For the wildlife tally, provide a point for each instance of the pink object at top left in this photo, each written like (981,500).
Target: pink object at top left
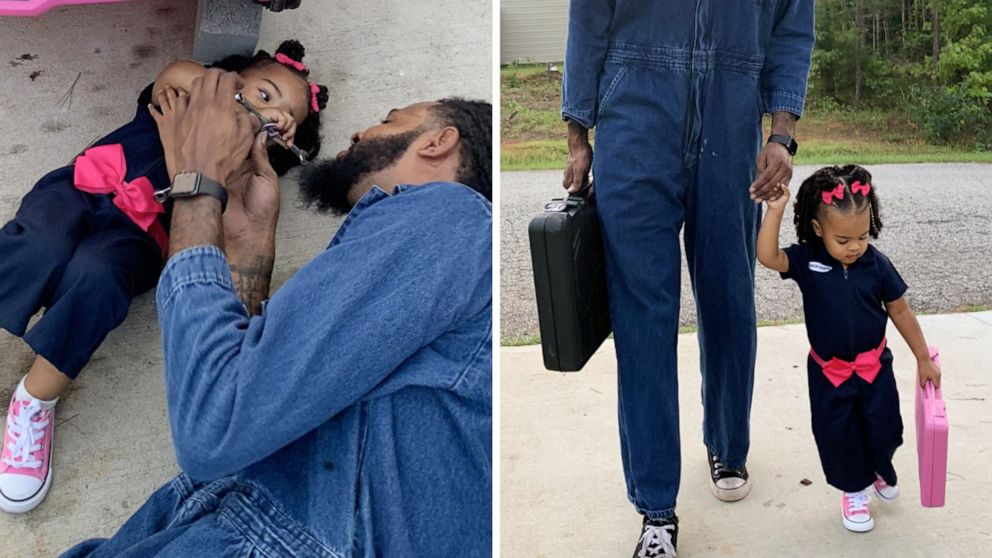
(38,7)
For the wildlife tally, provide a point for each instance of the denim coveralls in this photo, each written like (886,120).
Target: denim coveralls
(354,416)
(676,90)
(79,256)
(856,424)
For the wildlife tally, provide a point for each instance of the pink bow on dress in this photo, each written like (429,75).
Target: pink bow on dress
(867,365)
(101,170)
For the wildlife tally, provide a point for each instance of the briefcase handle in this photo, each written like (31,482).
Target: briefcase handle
(584,193)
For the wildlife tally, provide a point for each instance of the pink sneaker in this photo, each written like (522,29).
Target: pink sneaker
(25,462)
(885,492)
(854,511)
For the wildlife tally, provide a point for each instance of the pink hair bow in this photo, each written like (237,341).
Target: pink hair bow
(858,187)
(314,90)
(829,195)
(287,61)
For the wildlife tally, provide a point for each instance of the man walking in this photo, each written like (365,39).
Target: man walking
(676,91)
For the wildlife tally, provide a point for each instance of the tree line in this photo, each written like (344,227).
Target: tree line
(930,58)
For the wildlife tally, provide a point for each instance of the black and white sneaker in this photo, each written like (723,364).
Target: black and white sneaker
(659,538)
(728,485)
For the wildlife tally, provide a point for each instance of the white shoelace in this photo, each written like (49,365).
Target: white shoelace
(857,501)
(27,436)
(657,536)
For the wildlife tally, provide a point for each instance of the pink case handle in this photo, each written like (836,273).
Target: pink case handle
(933,392)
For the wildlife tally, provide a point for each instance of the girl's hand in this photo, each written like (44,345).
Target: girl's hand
(172,104)
(928,370)
(779,200)
(284,122)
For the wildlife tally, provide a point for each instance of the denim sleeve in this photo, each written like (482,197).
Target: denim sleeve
(241,388)
(585,51)
(788,58)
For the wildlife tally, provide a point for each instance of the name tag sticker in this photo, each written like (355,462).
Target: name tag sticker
(819,267)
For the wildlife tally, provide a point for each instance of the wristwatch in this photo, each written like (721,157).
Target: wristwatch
(790,143)
(190,184)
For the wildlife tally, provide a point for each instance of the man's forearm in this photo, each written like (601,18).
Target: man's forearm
(784,123)
(196,221)
(251,268)
(577,134)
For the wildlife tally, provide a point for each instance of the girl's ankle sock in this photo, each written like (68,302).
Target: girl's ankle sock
(23,393)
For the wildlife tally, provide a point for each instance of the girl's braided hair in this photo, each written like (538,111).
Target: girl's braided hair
(809,200)
(307,132)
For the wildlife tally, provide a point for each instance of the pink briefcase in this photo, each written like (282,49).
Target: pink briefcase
(931,441)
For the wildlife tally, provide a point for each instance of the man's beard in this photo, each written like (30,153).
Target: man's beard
(326,185)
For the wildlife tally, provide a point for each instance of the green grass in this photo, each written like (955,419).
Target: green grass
(533,135)
(522,341)
(551,155)
(525,340)
(536,339)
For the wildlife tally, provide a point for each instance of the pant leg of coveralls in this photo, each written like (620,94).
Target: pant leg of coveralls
(36,245)
(109,268)
(882,427)
(837,418)
(640,187)
(720,232)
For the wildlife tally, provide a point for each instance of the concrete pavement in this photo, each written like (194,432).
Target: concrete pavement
(112,444)
(937,231)
(563,491)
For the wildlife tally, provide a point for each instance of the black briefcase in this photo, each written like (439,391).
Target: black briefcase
(566,247)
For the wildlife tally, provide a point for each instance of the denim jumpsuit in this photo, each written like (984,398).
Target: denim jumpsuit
(676,90)
(856,424)
(77,255)
(353,417)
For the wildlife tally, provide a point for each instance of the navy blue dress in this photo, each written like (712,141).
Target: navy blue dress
(857,424)
(78,256)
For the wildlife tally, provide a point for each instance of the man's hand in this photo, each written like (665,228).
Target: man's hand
(253,205)
(774,169)
(774,163)
(250,228)
(579,158)
(215,133)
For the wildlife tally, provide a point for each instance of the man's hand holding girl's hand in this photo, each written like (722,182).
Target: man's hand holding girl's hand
(284,122)
(779,203)
(928,370)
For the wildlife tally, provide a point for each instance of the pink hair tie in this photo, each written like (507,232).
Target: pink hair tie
(287,61)
(314,90)
(862,188)
(829,195)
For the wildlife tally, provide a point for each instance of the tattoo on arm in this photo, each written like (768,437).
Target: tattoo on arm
(252,280)
(196,222)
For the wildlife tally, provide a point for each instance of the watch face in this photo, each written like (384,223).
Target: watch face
(184,184)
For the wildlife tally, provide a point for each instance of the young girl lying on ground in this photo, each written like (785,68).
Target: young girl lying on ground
(89,237)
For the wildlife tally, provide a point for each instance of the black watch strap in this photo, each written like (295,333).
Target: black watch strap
(790,143)
(211,188)
(191,184)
